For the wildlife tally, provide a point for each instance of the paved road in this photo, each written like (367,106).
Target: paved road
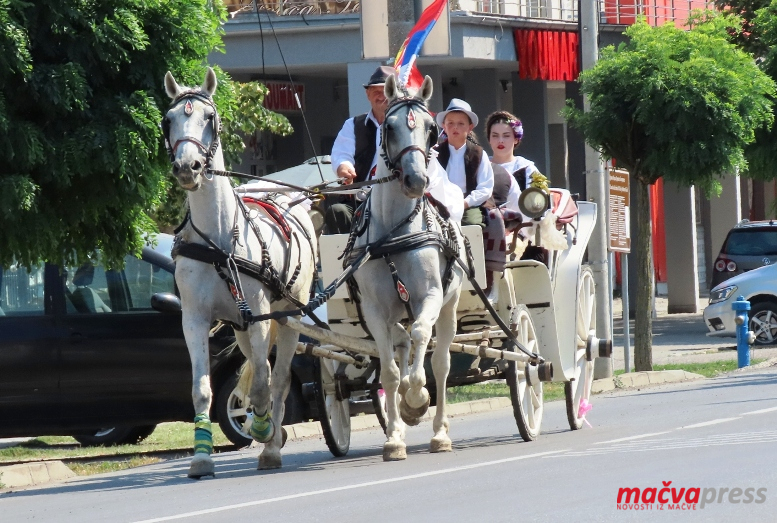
(710,434)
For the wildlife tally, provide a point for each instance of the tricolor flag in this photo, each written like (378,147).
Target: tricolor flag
(407,73)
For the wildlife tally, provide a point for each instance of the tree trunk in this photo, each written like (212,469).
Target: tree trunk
(643,321)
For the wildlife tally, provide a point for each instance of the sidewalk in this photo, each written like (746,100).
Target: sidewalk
(679,338)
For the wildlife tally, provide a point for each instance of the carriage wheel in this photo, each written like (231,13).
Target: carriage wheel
(580,388)
(334,414)
(525,396)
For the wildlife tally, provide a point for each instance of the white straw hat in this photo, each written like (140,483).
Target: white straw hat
(457,105)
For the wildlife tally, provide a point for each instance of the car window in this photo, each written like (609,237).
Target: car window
(21,291)
(145,279)
(86,289)
(752,242)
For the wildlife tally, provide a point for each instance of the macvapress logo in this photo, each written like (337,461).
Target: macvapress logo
(696,498)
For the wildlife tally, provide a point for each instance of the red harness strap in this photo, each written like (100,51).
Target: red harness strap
(274,214)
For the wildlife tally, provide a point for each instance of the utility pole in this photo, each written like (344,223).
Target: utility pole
(595,185)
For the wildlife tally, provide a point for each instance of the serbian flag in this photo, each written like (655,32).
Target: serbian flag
(407,73)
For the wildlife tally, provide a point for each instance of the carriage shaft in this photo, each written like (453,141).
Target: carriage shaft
(328,351)
(487,352)
(366,347)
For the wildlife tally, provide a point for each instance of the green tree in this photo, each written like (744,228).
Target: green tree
(676,104)
(81,99)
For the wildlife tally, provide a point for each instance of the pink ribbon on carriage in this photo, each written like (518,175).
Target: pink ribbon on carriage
(583,410)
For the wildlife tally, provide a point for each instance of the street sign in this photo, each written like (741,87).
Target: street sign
(619,202)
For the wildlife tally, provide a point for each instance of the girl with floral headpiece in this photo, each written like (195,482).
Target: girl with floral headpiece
(505,132)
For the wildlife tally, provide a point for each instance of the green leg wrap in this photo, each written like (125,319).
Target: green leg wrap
(262,428)
(203,435)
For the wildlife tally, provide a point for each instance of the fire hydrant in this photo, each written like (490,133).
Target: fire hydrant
(745,338)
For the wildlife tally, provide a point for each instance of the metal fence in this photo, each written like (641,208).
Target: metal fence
(293,7)
(623,12)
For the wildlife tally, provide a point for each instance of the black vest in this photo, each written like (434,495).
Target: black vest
(520,177)
(364,131)
(472,156)
(501,184)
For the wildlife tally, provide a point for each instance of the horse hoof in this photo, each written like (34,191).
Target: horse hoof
(284,436)
(269,461)
(440,444)
(394,451)
(418,399)
(201,466)
(410,415)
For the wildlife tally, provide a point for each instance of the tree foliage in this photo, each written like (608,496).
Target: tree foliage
(81,99)
(676,104)
(672,104)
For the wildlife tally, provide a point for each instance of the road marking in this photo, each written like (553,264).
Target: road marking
(660,445)
(708,423)
(762,411)
(348,487)
(632,437)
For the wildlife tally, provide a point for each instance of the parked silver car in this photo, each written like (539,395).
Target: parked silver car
(759,287)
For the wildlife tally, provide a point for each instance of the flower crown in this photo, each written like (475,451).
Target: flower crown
(517,128)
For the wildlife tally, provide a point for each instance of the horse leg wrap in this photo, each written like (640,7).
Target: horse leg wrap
(262,428)
(203,435)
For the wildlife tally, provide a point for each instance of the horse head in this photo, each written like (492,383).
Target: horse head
(409,133)
(191,128)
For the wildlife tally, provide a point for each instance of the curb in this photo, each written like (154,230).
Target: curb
(31,474)
(642,379)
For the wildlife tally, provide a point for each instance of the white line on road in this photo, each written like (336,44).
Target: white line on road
(348,487)
(711,422)
(632,437)
(762,411)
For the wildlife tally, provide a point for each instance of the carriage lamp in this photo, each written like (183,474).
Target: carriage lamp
(533,202)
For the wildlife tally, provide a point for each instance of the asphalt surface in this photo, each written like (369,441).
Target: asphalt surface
(708,434)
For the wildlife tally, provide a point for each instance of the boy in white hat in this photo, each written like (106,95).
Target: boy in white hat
(465,162)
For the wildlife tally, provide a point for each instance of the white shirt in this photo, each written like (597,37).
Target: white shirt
(519,162)
(344,147)
(443,190)
(485,176)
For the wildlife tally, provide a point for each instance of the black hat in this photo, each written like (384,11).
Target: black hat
(380,76)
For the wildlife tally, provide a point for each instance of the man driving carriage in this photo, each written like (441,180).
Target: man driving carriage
(356,153)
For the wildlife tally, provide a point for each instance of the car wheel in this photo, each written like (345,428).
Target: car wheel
(232,412)
(763,322)
(234,418)
(115,436)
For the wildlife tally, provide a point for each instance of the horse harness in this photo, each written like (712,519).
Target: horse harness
(228,265)
(444,236)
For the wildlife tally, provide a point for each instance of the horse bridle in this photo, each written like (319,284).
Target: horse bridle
(392,162)
(215,122)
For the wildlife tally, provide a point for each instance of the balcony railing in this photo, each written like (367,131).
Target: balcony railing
(293,7)
(657,12)
(622,12)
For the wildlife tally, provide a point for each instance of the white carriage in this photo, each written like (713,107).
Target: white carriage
(549,306)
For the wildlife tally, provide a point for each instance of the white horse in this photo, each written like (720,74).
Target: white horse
(408,133)
(219,227)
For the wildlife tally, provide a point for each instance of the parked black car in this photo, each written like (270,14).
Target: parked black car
(83,353)
(749,245)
